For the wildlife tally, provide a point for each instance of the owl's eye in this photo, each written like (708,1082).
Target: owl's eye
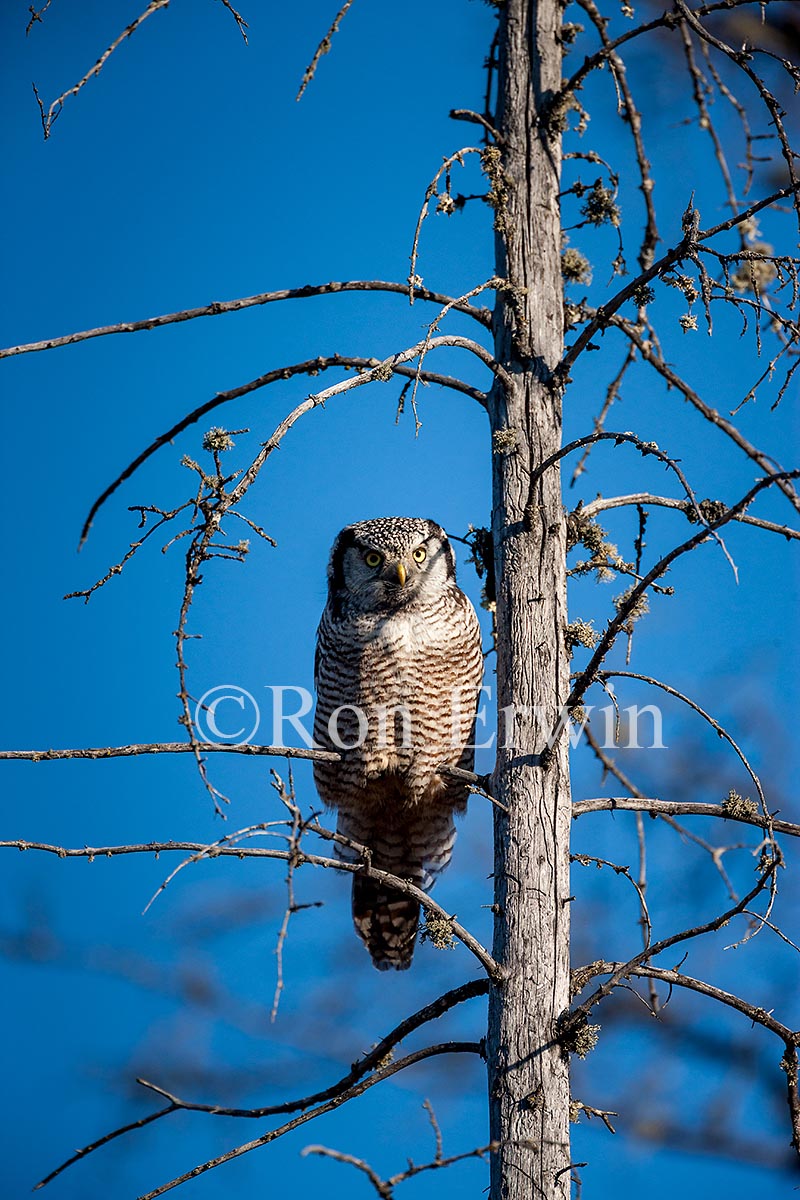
(373,559)
(420,554)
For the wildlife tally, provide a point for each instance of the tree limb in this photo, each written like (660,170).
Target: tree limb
(482,315)
(349,1094)
(371,1060)
(280,374)
(603,503)
(347,1089)
(677,808)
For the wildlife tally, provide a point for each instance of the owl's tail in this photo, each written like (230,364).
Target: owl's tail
(414,846)
(386,921)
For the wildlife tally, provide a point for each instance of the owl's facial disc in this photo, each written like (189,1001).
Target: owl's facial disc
(390,563)
(391,576)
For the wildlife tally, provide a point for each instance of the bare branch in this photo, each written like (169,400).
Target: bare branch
(466,114)
(382,372)
(54,111)
(310,366)
(661,811)
(612,391)
(36,16)
(646,499)
(343,1097)
(705,122)
(632,117)
(479,782)
(85,1151)
(385,1187)
(138,748)
(334,1093)
(617,623)
(645,448)
(677,254)
(677,808)
(742,59)
(382,1186)
(675,978)
(482,315)
(637,885)
(667,21)
(322,48)
(222,848)
(652,356)
(414,281)
(238,18)
(756,1014)
(578,1107)
(621,971)
(715,725)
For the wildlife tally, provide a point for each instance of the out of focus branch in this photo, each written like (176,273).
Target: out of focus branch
(370,1061)
(343,1097)
(385,1187)
(228,846)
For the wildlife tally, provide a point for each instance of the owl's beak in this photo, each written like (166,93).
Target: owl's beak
(397,573)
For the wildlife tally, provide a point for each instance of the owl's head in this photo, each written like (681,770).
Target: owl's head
(389,562)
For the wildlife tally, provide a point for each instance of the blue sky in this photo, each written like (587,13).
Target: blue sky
(187,173)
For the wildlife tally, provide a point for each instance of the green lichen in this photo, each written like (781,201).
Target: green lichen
(217,439)
(438,931)
(742,808)
(580,633)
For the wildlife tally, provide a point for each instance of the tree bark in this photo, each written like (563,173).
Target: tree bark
(528,1069)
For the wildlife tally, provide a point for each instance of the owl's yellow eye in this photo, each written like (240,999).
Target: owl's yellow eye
(420,554)
(373,559)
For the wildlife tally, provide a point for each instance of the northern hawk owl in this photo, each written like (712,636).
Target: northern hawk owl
(397,672)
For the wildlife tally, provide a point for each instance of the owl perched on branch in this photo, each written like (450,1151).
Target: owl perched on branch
(398,669)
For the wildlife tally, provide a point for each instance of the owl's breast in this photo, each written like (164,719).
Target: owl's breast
(407,683)
(407,654)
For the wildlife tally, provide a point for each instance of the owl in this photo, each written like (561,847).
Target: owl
(398,670)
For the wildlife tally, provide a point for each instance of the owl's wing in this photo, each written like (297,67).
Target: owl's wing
(324,644)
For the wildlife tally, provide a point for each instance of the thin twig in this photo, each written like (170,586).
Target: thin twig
(653,358)
(54,111)
(414,281)
(622,970)
(221,849)
(675,978)
(323,48)
(676,254)
(617,622)
(715,725)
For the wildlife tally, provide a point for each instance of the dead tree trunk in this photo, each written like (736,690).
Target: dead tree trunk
(528,1070)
